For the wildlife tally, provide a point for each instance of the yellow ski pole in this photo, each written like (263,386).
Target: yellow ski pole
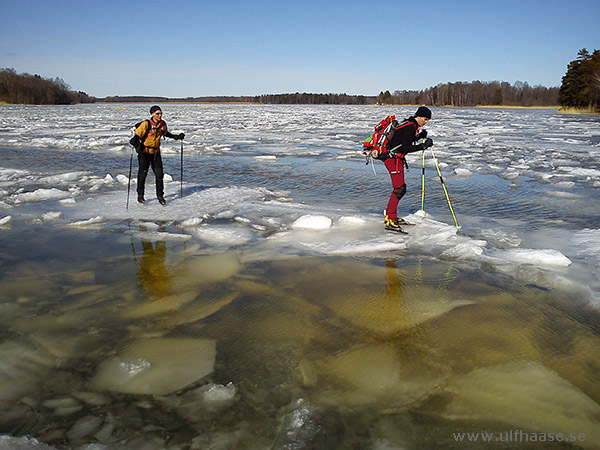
(444,187)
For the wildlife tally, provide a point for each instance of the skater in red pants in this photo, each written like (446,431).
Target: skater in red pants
(402,142)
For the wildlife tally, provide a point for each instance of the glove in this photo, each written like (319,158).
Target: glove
(428,143)
(422,134)
(180,137)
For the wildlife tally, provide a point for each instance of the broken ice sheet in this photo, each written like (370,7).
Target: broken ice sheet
(157,366)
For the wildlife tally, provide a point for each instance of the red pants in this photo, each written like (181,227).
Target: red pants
(395,167)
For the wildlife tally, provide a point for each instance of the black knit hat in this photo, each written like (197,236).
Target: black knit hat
(423,111)
(154,109)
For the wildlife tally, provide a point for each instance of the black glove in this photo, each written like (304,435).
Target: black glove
(422,134)
(428,143)
(177,137)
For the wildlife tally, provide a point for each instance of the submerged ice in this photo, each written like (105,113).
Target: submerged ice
(264,303)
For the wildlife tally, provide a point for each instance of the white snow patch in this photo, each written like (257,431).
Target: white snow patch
(312,222)
(351,222)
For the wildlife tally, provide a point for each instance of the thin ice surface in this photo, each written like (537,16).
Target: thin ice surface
(282,149)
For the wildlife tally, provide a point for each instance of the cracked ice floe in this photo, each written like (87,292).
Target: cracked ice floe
(40,195)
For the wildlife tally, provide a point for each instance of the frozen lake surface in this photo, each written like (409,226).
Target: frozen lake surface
(265,307)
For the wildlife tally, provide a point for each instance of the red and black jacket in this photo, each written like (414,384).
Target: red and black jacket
(403,139)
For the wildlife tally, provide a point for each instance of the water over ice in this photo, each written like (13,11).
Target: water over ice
(265,305)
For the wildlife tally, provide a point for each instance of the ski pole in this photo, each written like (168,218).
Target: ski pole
(444,187)
(129,179)
(423,184)
(181,174)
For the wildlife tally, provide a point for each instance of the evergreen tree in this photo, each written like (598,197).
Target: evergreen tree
(581,84)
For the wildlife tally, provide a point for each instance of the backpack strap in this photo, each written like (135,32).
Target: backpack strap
(402,125)
(137,125)
(401,156)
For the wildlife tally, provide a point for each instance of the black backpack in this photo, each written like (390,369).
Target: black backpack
(136,141)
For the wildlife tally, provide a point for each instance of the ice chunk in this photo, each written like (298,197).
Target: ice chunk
(199,309)
(465,173)
(214,268)
(160,236)
(312,222)
(84,223)
(63,406)
(308,426)
(218,393)
(84,426)
(376,374)
(464,250)
(491,393)
(224,234)
(583,172)
(21,368)
(191,222)
(51,215)
(123,180)
(536,257)
(40,195)
(63,177)
(159,305)
(565,184)
(104,433)
(22,443)
(501,237)
(399,308)
(92,398)
(588,241)
(157,366)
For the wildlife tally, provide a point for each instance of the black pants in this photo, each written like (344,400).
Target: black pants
(145,161)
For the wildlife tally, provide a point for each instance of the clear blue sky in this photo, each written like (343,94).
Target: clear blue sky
(231,47)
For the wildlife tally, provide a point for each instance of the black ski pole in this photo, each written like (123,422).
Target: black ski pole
(181,175)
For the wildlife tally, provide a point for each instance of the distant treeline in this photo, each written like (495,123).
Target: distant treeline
(476,93)
(147,99)
(581,84)
(273,99)
(315,99)
(35,90)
